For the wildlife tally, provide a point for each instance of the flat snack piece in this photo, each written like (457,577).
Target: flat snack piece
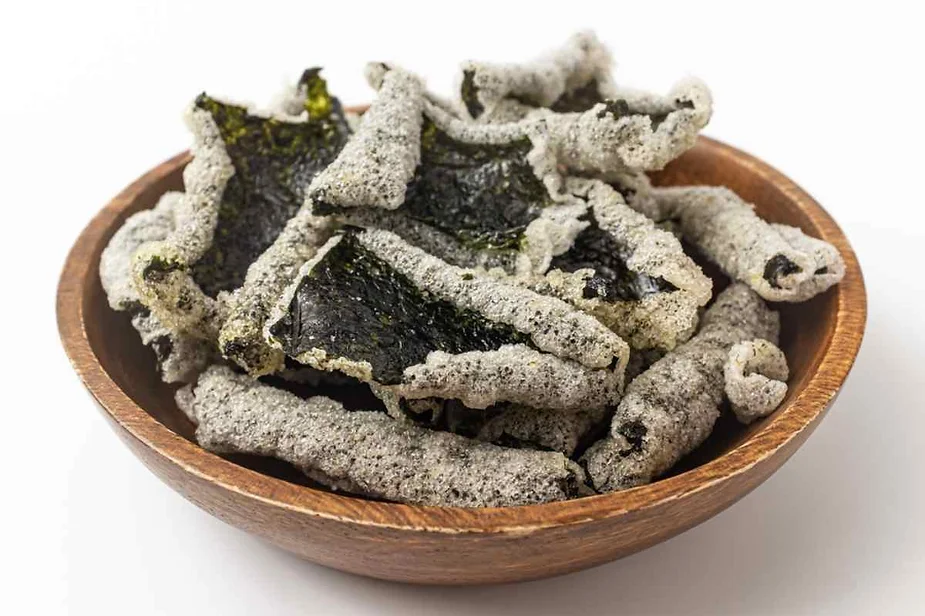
(780,263)
(369,453)
(631,275)
(248,177)
(572,78)
(179,357)
(475,196)
(670,408)
(373,307)
(756,376)
(635,131)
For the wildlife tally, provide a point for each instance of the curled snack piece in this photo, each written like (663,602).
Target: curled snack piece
(670,408)
(374,307)
(634,132)
(376,165)
(780,263)
(471,195)
(180,357)
(241,338)
(756,376)
(634,277)
(247,179)
(571,78)
(369,453)
(541,428)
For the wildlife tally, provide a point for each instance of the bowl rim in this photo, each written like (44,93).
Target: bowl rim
(837,356)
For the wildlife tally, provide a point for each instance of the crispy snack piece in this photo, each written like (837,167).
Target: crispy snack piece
(374,307)
(241,338)
(634,131)
(369,453)
(756,376)
(632,276)
(670,408)
(247,179)
(376,165)
(471,195)
(521,426)
(179,357)
(572,78)
(780,263)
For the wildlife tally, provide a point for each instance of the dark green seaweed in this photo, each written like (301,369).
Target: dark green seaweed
(355,305)
(777,267)
(274,162)
(612,280)
(469,94)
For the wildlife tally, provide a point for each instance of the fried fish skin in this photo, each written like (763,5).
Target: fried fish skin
(571,78)
(179,357)
(781,263)
(755,374)
(374,307)
(670,409)
(248,176)
(369,453)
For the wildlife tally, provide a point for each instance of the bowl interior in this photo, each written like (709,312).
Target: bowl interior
(806,327)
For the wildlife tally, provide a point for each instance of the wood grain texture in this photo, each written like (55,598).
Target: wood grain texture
(451,545)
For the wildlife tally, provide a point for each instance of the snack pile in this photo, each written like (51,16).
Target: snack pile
(497,272)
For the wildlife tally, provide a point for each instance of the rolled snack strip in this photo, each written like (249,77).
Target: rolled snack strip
(780,263)
(630,133)
(475,196)
(634,277)
(241,338)
(247,179)
(373,307)
(670,408)
(369,453)
(756,376)
(180,357)
(571,78)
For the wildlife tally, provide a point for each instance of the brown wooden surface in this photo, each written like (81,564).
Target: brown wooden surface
(452,545)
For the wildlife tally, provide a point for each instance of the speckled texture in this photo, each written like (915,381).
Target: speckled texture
(576,361)
(728,232)
(621,133)
(369,453)
(658,320)
(550,429)
(582,62)
(553,325)
(377,163)
(756,376)
(180,357)
(241,338)
(513,373)
(670,409)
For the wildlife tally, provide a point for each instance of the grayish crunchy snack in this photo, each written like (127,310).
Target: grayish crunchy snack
(780,263)
(180,357)
(670,408)
(631,275)
(374,307)
(241,338)
(247,179)
(633,132)
(756,376)
(374,168)
(542,428)
(369,453)
(571,78)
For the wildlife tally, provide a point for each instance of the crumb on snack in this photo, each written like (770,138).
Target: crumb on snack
(369,453)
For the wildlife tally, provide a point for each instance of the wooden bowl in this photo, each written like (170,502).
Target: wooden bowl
(453,545)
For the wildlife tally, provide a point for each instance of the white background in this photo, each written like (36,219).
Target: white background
(92,95)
